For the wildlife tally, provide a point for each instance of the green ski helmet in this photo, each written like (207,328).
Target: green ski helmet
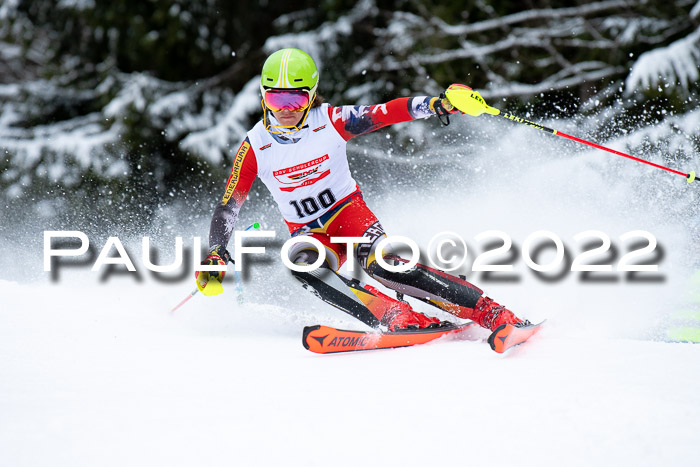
(289,69)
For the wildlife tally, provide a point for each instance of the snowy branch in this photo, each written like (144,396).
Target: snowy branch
(68,108)
(532,15)
(522,90)
(676,63)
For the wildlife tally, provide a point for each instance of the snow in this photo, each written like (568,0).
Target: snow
(675,63)
(76,4)
(529,15)
(316,43)
(8,9)
(95,370)
(106,376)
(208,120)
(213,142)
(132,95)
(695,12)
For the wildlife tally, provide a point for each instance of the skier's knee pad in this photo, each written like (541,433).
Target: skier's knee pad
(305,256)
(307,253)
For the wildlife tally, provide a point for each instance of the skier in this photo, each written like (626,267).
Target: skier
(298,149)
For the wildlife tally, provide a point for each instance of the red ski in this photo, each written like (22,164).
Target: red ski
(325,339)
(506,336)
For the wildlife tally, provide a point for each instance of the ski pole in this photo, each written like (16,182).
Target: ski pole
(470,102)
(192,294)
(239,289)
(690,177)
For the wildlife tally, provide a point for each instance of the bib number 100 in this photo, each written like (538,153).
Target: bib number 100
(310,206)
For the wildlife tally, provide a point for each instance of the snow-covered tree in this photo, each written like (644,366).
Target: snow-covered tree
(139,100)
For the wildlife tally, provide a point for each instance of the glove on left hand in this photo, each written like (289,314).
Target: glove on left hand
(218,256)
(442,107)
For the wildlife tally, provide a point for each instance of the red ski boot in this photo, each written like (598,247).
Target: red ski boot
(405,318)
(397,315)
(490,314)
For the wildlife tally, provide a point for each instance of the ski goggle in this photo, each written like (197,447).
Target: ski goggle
(295,100)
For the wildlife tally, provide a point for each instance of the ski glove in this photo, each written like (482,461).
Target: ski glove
(468,101)
(218,256)
(442,107)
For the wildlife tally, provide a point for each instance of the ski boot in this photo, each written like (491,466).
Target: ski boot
(398,315)
(491,315)
(508,329)
(405,318)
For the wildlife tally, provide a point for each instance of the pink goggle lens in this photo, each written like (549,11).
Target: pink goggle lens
(296,101)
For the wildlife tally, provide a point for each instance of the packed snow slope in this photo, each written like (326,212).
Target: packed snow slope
(95,369)
(105,376)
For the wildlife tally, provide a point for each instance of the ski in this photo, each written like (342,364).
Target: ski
(506,336)
(326,339)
